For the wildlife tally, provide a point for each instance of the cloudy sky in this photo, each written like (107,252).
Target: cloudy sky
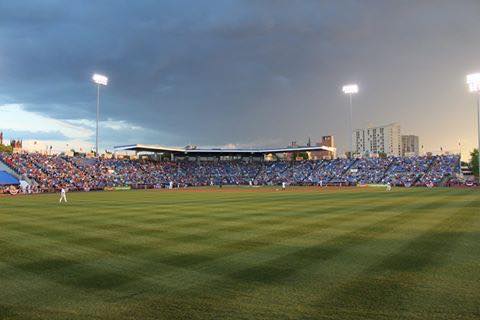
(246,73)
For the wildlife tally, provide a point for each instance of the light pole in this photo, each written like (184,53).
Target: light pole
(350,89)
(473,81)
(99,80)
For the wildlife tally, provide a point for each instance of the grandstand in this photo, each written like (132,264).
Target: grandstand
(49,173)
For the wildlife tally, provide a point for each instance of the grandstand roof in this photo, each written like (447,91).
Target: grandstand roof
(215,151)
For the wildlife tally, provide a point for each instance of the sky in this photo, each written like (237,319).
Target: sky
(236,73)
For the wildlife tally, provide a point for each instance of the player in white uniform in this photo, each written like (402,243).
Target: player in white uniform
(284,185)
(389,186)
(63,195)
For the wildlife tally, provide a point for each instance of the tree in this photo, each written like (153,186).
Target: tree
(7,149)
(474,162)
(303,155)
(382,155)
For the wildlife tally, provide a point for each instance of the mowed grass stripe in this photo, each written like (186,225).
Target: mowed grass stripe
(101,243)
(383,288)
(65,230)
(112,243)
(68,233)
(290,260)
(256,273)
(266,274)
(200,261)
(128,259)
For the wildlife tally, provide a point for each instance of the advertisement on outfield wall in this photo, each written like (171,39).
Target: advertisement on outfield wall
(117,188)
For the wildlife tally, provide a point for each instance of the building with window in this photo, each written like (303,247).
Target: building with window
(378,140)
(327,141)
(410,145)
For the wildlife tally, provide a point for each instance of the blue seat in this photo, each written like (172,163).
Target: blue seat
(7,179)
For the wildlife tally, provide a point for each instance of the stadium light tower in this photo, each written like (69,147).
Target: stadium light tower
(473,82)
(350,89)
(99,80)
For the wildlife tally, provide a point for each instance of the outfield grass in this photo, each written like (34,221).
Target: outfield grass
(242,254)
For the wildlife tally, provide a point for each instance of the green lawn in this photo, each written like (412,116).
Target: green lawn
(242,254)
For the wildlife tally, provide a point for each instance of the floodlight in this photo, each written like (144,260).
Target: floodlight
(350,88)
(473,81)
(100,79)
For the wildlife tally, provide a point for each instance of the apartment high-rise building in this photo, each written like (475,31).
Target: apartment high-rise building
(410,145)
(377,140)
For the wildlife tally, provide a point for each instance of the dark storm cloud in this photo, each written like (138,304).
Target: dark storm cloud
(216,72)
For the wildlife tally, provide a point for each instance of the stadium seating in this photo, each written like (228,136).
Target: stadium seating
(77,173)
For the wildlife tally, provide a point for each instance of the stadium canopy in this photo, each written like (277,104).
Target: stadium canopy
(216,151)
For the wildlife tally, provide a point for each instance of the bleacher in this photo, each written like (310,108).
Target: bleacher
(77,173)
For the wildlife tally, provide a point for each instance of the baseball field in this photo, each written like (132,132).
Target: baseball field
(242,253)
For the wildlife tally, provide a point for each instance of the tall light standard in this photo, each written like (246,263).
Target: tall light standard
(99,80)
(473,81)
(350,89)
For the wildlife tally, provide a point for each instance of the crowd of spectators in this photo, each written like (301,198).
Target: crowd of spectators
(78,173)
(24,165)
(441,168)
(407,171)
(369,170)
